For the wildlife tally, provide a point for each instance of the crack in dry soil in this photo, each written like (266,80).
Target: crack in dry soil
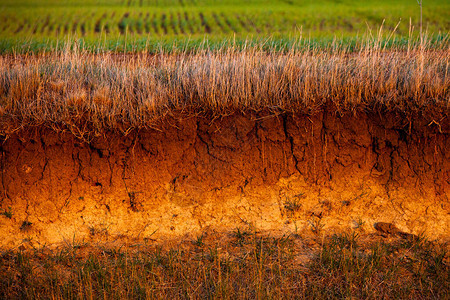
(196,173)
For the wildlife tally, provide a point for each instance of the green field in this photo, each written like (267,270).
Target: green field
(46,21)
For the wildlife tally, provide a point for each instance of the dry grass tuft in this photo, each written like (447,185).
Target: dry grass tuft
(108,91)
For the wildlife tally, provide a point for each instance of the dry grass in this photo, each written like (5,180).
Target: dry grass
(246,266)
(89,93)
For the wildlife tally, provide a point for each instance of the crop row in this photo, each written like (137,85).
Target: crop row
(170,22)
(153,3)
(195,21)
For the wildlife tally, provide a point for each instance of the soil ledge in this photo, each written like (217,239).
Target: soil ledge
(283,173)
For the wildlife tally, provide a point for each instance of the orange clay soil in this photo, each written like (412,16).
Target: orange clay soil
(281,173)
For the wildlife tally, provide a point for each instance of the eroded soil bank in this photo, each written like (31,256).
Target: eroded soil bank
(282,173)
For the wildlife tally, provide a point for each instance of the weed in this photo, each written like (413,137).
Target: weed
(241,236)
(345,240)
(199,241)
(7,213)
(358,223)
(94,231)
(349,265)
(316,224)
(75,243)
(293,204)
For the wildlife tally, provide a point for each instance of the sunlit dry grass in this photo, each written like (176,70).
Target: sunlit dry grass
(79,89)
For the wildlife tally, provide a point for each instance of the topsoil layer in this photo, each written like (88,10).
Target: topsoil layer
(284,173)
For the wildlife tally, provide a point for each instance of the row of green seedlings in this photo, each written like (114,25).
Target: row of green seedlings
(47,25)
(159,2)
(164,23)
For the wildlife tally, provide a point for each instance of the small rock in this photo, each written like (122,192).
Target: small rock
(387,228)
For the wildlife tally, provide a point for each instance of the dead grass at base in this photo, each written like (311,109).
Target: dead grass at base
(241,264)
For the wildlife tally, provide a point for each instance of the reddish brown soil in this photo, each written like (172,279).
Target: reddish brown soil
(284,173)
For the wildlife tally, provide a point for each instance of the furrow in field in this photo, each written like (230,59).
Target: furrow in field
(65,28)
(58,30)
(33,31)
(64,23)
(28,26)
(47,20)
(38,25)
(130,28)
(83,29)
(188,22)
(243,24)
(181,23)
(98,24)
(19,28)
(229,23)
(196,22)
(173,23)
(106,24)
(90,25)
(3,20)
(252,25)
(123,23)
(23,27)
(51,27)
(75,26)
(205,24)
(164,23)
(221,26)
(139,24)
(147,23)
(110,24)
(154,23)
(4,24)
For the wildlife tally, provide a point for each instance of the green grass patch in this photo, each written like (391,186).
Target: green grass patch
(167,20)
(189,44)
